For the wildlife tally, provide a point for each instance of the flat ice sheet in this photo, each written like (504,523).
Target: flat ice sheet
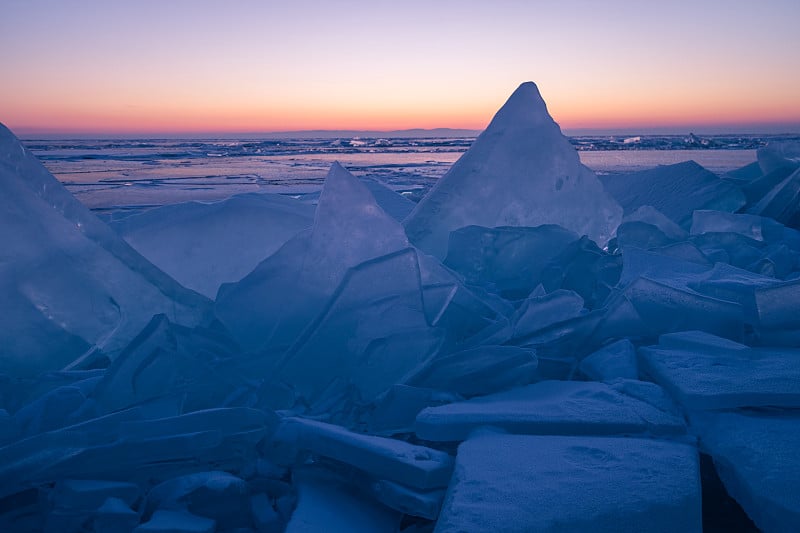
(515,483)
(721,379)
(756,457)
(547,408)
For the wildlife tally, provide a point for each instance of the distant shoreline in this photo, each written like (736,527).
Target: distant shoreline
(418,133)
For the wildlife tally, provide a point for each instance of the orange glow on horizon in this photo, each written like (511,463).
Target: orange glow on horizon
(165,118)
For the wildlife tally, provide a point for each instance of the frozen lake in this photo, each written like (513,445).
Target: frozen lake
(125,174)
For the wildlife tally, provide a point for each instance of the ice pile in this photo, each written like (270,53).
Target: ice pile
(515,356)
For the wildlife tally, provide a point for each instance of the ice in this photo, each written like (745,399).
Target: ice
(276,301)
(91,494)
(396,411)
(113,516)
(394,204)
(203,245)
(170,360)
(778,305)
(548,408)
(372,334)
(780,154)
(219,496)
(519,483)
(425,504)
(756,457)
(176,522)
(382,458)
(704,221)
(615,361)
(782,202)
(650,215)
(479,371)
(68,284)
(720,378)
(510,261)
(539,312)
(325,503)
(674,190)
(123,446)
(521,171)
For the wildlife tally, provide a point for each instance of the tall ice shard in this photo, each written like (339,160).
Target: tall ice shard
(521,171)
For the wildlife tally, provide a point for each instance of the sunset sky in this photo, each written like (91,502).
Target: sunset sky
(173,66)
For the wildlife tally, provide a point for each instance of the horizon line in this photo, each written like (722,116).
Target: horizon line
(743,129)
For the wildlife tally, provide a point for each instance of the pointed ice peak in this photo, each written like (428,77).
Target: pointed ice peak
(349,226)
(521,171)
(523,109)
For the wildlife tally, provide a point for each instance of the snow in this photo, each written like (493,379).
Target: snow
(720,378)
(395,460)
(756,457)
(521,171)
(520,483)
(548,408)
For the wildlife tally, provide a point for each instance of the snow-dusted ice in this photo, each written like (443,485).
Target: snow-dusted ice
(522,483)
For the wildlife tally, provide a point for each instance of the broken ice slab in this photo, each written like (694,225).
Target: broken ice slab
(272,305)
(203,245)
(395,204)
(90,494)
(219,496)
(661,307)
(510,261)
(122,446)
(78,504)
(540,312)
(326,503)
(522,483)
(674,190)
(614,361)
(425,504)
(372,334)
(778,305)
(548,408)
(411,465)
(114,516)
(782,203)
(396,411)
(479,371)
(752,226)
(176,522)
(68,283)
(521,171)
(723,378)
(641,235)
(167,359)
(778,154)
(755,454)
(652,216)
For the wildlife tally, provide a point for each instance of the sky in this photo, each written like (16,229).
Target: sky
(190,66)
